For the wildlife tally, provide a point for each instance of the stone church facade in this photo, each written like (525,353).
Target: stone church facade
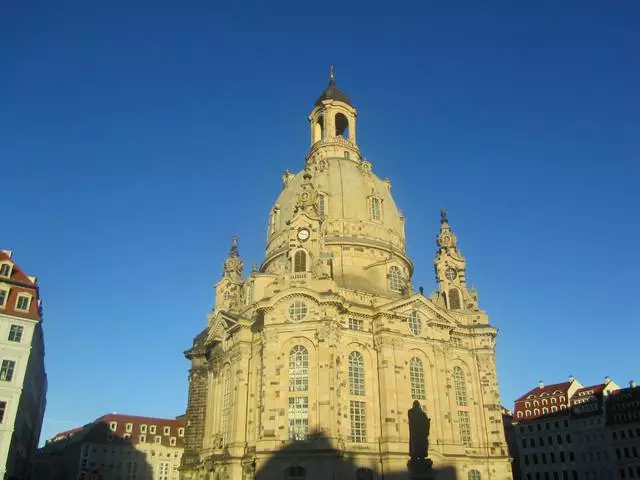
(307,366)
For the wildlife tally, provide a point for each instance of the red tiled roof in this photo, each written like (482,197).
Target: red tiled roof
(19,283)
(549,389)
(595,388)
(135,430)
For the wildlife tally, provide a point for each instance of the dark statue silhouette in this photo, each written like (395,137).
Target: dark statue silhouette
(419,426)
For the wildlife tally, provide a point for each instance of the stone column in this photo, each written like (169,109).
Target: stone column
(196,411)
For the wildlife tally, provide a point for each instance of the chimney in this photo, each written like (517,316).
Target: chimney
(541,384)
(632,384)
(571,378)
(607,380)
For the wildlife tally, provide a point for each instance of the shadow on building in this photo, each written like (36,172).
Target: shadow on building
(91,452)
(317,459)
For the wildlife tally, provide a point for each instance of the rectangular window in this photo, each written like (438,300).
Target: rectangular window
(22,303)
(181,432)
(172,441)
(128,427)
(3,408)
(166,430)
(375,208)
(113,426)
(143,438)
(5,269)
(6,371)
(298,418)
(357,411)
(143,429)
(157,439)
(15,333)
(464,424)
(3,297)
(152,429)
(356,324)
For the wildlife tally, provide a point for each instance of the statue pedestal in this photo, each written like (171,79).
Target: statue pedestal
(421,469)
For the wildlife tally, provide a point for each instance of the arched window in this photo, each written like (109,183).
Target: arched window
(536,403)
(561,399)
(474,475)
(544,402)
(545,410)
(554,408)
(536,411)
(454,299)
(416,375)
(527,404)
(460,387)
(356,374)
(298,369)
(519,414)
(374,208)
(395,279)
(226,405)
(342,125)
(300,261)
(528,413)
(295,473)
(554,401)
(415,323)
(317,129)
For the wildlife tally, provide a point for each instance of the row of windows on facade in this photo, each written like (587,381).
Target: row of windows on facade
(119,450)
(143,438)
(630,472)
(626,417)
(22,302)
(622,434)
(561,458)
(299,405)
(555,475)
(537,411)
(541,442)
(544,401)
(547,426)
(128,428)
(130,470)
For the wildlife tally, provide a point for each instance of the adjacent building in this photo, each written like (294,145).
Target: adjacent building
(23,381)
(592,434)
(307,366)
(114,447)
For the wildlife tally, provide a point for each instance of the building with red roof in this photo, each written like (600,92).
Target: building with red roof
(23,381)
(114,447)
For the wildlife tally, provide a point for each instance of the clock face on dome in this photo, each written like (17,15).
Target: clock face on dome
(303,234)
(450,273)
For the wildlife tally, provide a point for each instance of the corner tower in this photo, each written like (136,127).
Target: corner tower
(307,367)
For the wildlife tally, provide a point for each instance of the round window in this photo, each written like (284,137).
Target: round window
(415,323)
(297,311)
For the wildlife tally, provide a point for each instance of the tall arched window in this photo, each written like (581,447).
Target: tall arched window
(300,261)
(317,129)
(374,208)
(454,299)
(356,374)
(416,375)
(395,279)
(226,405)
(295,473)
(474,475)
(342,125)
(460,387)
(298,369)
(298,414)
(415,323)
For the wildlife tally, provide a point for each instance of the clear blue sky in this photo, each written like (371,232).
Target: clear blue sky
(135,137)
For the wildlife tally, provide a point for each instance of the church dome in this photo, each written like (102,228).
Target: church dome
(333,93)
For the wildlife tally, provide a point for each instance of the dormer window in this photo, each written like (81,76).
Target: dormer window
(172,441)
(166,430)
(143,429)
(128,427)
(152,429)
(375,208)
(5,270)
(23,302)
(113,426)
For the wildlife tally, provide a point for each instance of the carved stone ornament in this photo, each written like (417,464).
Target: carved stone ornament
(381,343)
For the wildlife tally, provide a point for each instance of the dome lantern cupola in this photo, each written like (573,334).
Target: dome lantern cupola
(333,121)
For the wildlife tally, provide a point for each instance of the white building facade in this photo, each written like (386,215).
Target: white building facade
(23,381)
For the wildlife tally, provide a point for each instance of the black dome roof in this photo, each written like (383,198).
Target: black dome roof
(333,93)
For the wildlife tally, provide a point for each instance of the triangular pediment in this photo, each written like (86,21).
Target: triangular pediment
(432,313)
(220,324)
